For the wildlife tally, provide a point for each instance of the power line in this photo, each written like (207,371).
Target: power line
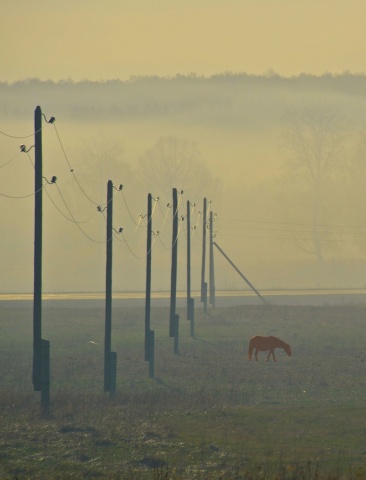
(76,223)
(132,252)
(299,231)
(176,238)
(141,217)
(63,214)
(72,170)
(19,136)
(288,223)
(290,238)
(21,196)
(9,161)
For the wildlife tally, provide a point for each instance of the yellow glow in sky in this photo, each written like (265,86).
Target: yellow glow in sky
(89,39)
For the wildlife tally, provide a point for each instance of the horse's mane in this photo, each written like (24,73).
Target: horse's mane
(281,342)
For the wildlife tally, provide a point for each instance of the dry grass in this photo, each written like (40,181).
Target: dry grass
(209,412)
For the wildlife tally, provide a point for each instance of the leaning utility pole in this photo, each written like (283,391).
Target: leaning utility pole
(41,348)
(240,273)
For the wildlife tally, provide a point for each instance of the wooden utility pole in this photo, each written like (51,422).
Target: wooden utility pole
(190,301)
(37,298)
(212,269)
(188,256)
(41,348)
(203,283)
(110,358)
(174,318)
(149,334)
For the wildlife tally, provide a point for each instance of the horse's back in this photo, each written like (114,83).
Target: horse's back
(263,343)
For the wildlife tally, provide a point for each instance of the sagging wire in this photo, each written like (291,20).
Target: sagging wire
(26,150)
(21,196)
(19,136)
(135,229)
(76,223)
(195,227)
(180,193)
(295,232)
(129,212)
(141,218)
(115,233)
(9,161)
(185,230)
(192,206)
(102,209)
(255,237)
(299,239)
(72,220)
(285,223)
(70,167)
(165,215)
(161,210)
(176,238)
(50,182)
(133,253)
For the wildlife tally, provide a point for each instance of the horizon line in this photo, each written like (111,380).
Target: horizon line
(270,74)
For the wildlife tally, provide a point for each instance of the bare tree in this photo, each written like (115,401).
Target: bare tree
(174,162)
(356,195)
(103,159)
(311,177)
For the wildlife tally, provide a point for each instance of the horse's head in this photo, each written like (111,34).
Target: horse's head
(288,350)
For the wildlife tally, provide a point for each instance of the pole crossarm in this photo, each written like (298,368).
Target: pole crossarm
(239,272)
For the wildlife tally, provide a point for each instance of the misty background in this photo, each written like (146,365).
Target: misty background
(280,159)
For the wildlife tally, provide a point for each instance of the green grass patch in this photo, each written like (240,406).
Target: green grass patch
(208,413)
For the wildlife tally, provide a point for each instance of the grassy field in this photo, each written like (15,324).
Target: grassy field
(209,413)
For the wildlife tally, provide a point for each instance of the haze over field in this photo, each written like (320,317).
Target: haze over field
(153,96)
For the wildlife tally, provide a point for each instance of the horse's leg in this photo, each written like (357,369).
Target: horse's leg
(271,352)
(256,355)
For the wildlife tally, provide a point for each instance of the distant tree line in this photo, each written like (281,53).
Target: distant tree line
(228,97)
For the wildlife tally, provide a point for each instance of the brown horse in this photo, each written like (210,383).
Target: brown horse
(263,344)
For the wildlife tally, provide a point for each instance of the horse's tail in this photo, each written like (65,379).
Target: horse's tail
(251,348)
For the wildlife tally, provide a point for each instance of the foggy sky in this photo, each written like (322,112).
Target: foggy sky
(93,40)
(237,124)
(239,136)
